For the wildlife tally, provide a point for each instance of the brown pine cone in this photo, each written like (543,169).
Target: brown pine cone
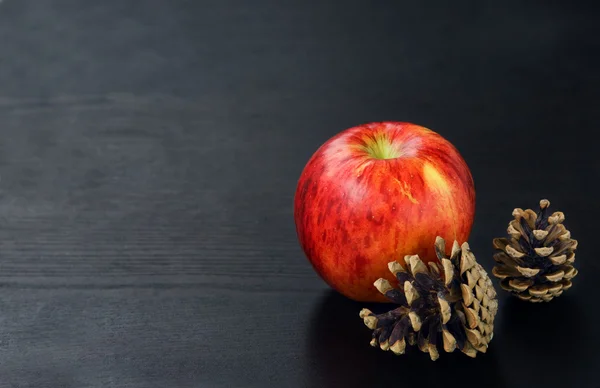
(451,303)
(536,263)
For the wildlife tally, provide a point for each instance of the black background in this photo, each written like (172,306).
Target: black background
(149,153)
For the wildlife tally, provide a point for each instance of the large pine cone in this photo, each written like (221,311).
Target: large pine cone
(450,303)
(536,263)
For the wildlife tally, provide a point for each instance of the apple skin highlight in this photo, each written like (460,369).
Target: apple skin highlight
(375,193)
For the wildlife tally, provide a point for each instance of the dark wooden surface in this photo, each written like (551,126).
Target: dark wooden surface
(149,152)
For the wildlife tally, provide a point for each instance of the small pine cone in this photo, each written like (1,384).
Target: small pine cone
(536,262)
(449,304)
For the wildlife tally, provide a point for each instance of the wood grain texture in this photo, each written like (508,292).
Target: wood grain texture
(149,153)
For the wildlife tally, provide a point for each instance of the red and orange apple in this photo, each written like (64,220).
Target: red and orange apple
(375,193)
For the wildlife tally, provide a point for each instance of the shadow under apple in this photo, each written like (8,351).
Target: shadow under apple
(340,355)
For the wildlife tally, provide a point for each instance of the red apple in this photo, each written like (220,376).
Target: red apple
(375,193)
